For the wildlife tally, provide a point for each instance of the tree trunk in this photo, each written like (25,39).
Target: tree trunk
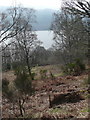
(50,103)
(20,108)
(29,69)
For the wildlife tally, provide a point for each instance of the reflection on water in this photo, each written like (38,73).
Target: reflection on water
(46,37)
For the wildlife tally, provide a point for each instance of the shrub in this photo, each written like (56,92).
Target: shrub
(17,91)
(43,74)
(20,69)
(80,64)
(5,84)
(87,81)
(33,75)
(6,91)
(24,86)
(22,82)
(52,75)
(75,68)
(15,65)
(8,66)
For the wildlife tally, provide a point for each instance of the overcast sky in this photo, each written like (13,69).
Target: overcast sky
(36,4)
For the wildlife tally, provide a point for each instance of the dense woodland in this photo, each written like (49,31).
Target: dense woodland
(46,81)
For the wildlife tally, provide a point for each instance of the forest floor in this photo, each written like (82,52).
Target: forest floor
(69,96)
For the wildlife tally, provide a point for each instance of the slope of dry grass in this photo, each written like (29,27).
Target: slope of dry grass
(37,105)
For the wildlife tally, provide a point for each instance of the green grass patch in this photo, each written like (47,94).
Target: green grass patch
(86,110)
(86,81)
(58,74)
(88,96)
(57,110)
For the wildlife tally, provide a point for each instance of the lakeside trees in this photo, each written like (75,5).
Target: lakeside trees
(13,21)
(81,7)
(70,33)
(16,33)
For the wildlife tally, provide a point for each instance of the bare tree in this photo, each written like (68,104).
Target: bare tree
(27,41)
(11,23)
(27,38)
(68,35)
(24,39)
(81,7)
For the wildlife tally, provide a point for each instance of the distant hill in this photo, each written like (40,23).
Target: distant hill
(44,18)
